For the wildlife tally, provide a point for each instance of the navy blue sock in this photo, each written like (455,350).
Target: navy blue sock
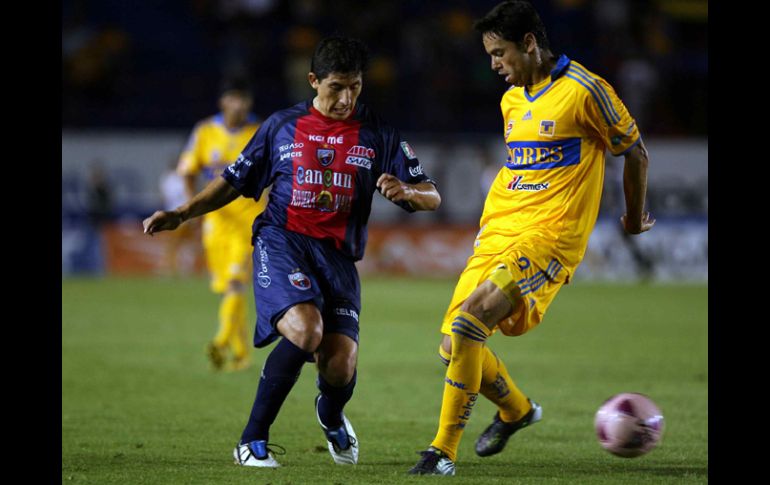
(279,374)
(333,399)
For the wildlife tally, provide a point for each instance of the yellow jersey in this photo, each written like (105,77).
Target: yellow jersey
(212,147)
(547,195)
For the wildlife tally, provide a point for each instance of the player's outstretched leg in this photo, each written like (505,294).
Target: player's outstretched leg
(461,389)
(495,437)
(280,372)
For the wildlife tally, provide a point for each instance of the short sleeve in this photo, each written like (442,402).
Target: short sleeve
(401,161)
(190,162)
(251,173)
(607,116)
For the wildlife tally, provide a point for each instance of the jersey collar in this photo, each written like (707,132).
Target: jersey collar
(219,119)
(558,70)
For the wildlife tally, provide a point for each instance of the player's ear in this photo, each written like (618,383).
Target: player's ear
(313,80)
(530,43)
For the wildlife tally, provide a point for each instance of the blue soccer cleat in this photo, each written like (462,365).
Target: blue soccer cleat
(342,442)
(255,453)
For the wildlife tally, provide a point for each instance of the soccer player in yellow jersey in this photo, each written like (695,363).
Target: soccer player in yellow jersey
(559,118)
(214,144)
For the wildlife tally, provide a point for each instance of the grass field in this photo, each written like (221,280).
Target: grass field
(140,405)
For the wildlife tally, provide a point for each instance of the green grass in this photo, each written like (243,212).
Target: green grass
(140,405)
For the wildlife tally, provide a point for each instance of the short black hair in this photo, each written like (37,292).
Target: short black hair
(511,20)
(240,84)
(339,54)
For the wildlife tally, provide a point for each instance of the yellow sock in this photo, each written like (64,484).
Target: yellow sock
(227,309)
(498,387)
(239,338)
(462,382)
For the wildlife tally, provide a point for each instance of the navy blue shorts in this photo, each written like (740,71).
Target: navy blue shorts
(291,268)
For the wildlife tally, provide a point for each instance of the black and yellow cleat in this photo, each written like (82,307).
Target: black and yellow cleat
(433,462)
(216,355)
(494,438)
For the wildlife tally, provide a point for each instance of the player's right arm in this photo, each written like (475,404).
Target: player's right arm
(216,194)
(635,220)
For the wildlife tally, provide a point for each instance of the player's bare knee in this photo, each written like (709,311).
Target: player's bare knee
(489,304)
(303,326)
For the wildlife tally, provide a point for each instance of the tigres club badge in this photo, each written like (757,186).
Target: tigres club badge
(547,127)
(299,281)
(325,156)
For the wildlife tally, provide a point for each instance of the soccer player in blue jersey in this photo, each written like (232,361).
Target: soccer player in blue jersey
(559,119)
(324,157)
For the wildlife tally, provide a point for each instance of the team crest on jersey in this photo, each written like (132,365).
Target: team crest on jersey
(408,151)
(508,128)
(547,127)
(299,281)
(325,156)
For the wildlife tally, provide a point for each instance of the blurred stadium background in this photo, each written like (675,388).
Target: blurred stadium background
(137,76)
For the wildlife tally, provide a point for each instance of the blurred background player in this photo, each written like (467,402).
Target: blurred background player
(99,208)
(174,193)
(215,143)
(559,119)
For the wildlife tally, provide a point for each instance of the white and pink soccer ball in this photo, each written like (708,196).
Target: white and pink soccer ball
(629,424)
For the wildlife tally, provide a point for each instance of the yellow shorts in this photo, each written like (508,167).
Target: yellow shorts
(536,275)
(228,253)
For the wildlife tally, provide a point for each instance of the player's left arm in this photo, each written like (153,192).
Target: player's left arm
(421,196)
(635,220)
(605,115)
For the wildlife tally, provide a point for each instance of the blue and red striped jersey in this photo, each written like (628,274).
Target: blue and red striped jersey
(323,172)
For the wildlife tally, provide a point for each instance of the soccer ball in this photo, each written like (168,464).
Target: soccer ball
(629,424)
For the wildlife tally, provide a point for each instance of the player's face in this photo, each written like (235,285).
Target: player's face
(235,106)
(337,93)
(508,60)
